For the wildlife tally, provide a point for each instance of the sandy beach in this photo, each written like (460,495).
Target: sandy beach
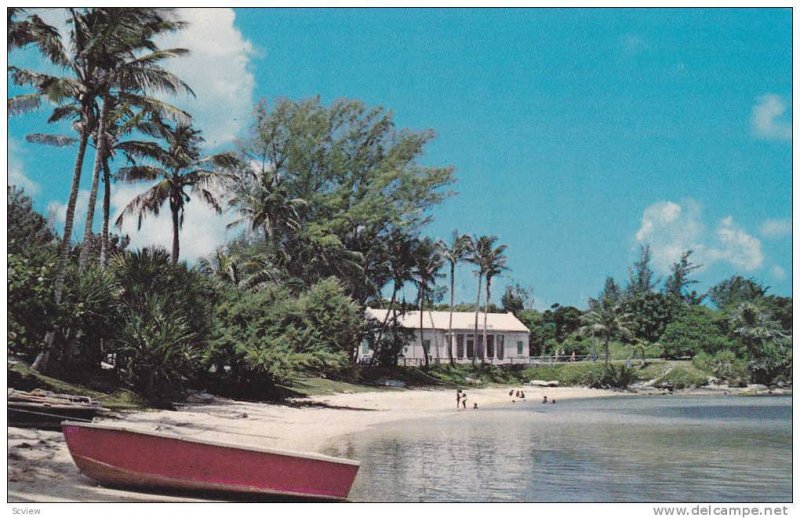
(40,468)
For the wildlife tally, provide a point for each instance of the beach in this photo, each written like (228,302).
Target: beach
(40,468)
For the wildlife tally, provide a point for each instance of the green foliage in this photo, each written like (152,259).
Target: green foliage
(696,329)
(736,290)
(681,377)
(724,365)
(31,309)
(651,313)
(156,348)
(266,337)
(516,298)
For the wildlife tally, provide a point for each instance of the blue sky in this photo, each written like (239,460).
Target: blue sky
(576,135)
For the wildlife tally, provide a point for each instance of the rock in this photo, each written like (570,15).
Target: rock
(471,381)
(543,383)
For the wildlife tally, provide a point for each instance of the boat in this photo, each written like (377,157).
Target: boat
(117,456)
(47,410)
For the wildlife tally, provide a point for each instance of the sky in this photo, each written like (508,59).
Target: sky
(577,135)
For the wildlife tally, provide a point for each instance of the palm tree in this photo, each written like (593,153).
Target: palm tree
(427,263)
(754,328)
(122,39)
(495,264)
(608,320)
(453,254)
(179,167)
(95,33)
(481,249)
(400,254)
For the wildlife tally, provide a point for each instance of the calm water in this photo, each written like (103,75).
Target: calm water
(693,449)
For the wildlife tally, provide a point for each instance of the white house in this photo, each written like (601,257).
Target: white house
(506,337)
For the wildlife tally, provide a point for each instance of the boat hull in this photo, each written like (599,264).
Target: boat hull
(118,457)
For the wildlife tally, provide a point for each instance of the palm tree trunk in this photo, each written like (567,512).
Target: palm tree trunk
(106,213)
(386,318)
(43,358)
(176,246)
(421,313)
(477,310)
(605,346)
(486,317)
(99,156)
(450,325)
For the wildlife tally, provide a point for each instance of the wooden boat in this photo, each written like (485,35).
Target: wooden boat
(42,409)
(116,456)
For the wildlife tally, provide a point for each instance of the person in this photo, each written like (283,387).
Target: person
(544,400)
(554,401)
(464,400)
(572,358)
(474,406)
(521,394)
(511,392)
(458,397)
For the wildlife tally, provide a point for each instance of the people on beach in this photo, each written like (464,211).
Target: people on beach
(458,397)
(554,401)
(511,392)
(544,399)
(521,394)
(474,406)
(464,400)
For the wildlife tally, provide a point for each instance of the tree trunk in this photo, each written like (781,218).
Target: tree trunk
(486,317)
(605,346)
(43,358)
(421,313)
(99,155)
(106,213)
(477,310)
(386,318)
(450,325)
(176,247)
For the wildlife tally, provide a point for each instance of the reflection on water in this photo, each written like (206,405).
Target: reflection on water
(710,449)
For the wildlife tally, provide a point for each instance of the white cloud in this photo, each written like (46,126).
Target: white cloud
(217,70)
(16,169)
(768,121)
(203,229)
(671,228)
(777,272)
(57,213)
(736,246)
(776,228)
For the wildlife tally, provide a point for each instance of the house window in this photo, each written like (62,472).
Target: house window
(470,346)
(460,346)
(490,346)
(501,347)
(519,347)
(364,347)
(480,346)
(426,346)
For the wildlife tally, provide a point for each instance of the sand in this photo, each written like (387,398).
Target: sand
(40,468)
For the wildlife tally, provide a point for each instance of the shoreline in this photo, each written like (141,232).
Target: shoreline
(40,468)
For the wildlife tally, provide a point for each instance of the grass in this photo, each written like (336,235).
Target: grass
(20,376)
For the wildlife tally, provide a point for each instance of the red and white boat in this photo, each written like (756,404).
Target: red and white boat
(117,456)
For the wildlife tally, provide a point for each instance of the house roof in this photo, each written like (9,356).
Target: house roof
(461,320)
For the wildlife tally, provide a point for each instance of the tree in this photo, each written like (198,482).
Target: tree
(736,290)
(495,264)
(121,39)
(641,278)
(359,176)
(485,256)
(611,291)
(651,313)
(679,280)
(427,263)
(516,299)
(457,251)
(754,329)
(179,168)
(696,329)
(98,39)
(606,320)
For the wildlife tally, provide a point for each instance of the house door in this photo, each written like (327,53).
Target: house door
(470,346)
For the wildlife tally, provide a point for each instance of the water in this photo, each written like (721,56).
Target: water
(623,449)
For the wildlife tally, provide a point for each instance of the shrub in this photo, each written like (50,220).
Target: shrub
(680,377)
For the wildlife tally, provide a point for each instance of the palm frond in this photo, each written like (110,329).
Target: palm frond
(50,140)
(22,104)
(138,173)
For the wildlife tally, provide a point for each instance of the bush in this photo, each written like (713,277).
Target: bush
(680,377)
(724,365)
(696,330)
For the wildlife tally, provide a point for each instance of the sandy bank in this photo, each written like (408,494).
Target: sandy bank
(40,468)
